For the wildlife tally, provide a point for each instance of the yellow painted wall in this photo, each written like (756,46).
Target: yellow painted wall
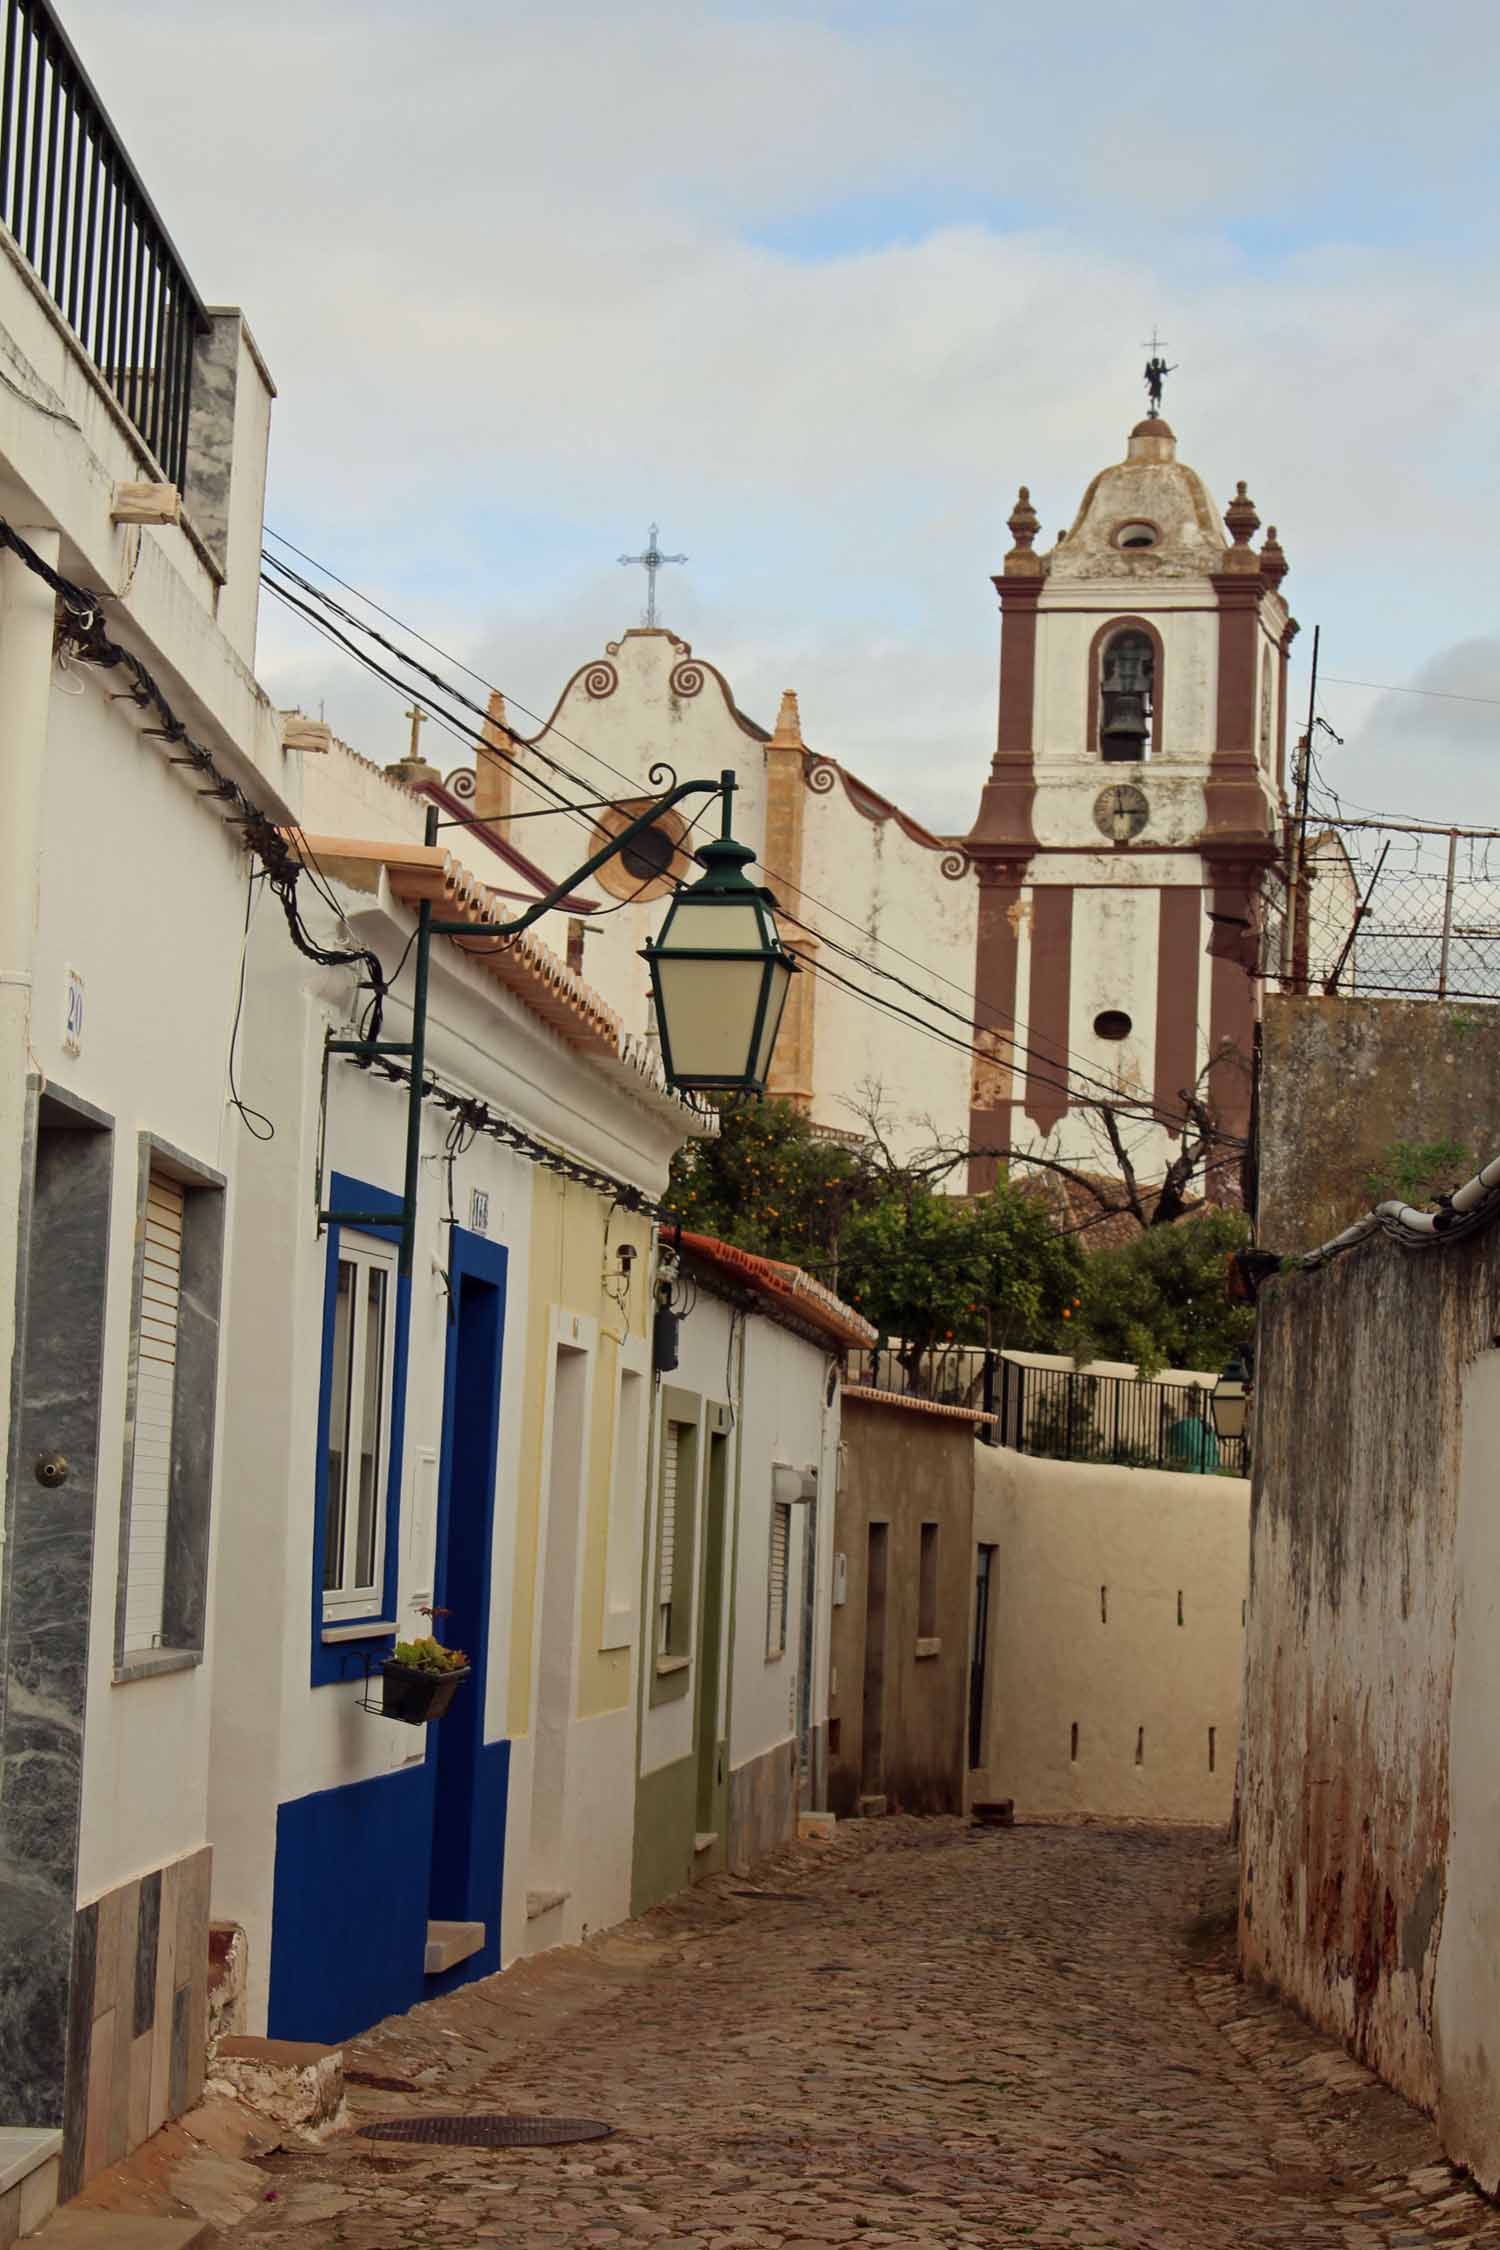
(566,1281)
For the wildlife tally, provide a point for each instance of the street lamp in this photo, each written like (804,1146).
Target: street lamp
(719,976)
(1231,1400)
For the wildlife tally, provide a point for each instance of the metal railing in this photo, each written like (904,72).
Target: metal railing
(90,233)
(1394,908)
(1066,1414)
(953,1375)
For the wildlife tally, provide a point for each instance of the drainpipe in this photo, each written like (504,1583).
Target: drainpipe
(27,612)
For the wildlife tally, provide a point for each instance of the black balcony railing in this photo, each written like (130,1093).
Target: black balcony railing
(90,233)
(1069,1415)
(1064,1412)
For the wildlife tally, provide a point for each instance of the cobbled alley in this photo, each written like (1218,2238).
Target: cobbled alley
(919,2033)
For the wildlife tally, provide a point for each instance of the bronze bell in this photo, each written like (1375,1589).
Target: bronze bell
(1126,699)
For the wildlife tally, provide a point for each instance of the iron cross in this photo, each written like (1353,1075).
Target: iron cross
(1157,371)
(652,561)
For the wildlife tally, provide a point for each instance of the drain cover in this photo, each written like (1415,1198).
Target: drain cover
(488,2132)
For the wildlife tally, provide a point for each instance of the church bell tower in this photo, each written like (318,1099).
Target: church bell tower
(1128,839)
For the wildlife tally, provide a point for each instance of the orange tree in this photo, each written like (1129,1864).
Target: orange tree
(768,1183)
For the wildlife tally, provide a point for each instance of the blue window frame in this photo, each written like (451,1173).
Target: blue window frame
(361,1426)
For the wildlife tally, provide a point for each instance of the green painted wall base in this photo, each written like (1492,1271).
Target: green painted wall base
(665,1807)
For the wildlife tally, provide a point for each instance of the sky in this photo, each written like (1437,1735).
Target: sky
(816,288)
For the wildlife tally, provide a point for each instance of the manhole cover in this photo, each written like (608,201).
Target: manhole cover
(488,2132)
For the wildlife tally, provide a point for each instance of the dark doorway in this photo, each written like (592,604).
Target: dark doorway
(807,1780)
(711,1635)
(468,1825)
(872,1743)
(979,1658)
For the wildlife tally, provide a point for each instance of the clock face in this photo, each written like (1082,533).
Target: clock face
(1121,812)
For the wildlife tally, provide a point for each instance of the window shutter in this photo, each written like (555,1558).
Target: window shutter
(781,1538)
(670,1458)
(155,1392)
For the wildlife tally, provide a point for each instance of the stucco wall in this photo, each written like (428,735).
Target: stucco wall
(903,1468)
(1344,1081)
(1369,1791)
(1116,1603)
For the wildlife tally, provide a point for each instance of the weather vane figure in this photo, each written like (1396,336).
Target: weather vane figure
(652,561)
(1157,371)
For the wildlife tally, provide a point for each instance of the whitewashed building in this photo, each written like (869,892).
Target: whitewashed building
(131,481)
(738,1564)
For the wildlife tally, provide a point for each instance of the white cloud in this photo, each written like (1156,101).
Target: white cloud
(504,264)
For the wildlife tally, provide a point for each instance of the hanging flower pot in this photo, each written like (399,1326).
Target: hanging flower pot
(419,1680)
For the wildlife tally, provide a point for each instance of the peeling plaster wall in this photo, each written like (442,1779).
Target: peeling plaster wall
(1344,1081)
(1370,1623)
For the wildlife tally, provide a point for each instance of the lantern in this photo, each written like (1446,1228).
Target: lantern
(1231,1399)
(719,977)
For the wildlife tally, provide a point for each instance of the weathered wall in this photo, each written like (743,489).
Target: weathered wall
(1116,1609)
(1372,1520)
(1344,1082)
(903,1466)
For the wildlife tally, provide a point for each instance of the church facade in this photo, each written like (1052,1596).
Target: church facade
(1098,938)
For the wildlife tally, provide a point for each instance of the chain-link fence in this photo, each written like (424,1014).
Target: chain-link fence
(1394,909)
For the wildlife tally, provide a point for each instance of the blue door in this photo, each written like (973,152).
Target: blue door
(471,1775)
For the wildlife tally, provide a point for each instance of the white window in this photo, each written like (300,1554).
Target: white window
(671,1463)
(359,1425)
(155,1398)
(781,1543)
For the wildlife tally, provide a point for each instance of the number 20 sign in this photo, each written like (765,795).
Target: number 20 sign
(73,1015)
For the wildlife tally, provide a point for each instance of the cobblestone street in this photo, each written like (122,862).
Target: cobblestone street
(919,2033)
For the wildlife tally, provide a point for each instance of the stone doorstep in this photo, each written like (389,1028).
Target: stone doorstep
(72,2229)
(448,1943)
(705,1841)
(539,1903)
(816,1827)
(872,1808)
(25,2149)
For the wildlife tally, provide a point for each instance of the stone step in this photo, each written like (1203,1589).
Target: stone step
(29,2160)
(448,1943)
(72,2229)
(539,1903)
(705,1840)
(287,2080)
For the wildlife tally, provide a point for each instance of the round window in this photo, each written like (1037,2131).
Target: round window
(648,855)
(1113,1023)
(1136,535)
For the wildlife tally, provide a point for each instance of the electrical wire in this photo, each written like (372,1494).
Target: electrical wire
(1098,1087)
(254,1120)
(83,635)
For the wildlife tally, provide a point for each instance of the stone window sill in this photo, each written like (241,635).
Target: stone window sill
(665,1665)
(367,1629)
(932,1645)
(148,1663)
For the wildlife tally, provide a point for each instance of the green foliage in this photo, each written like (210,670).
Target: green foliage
(767,1183)
(924,1267)
(1413,1170)
(428,1656)
(933,1269)
(1162,1300)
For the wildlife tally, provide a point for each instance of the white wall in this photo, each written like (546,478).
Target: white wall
(782,1419)
(1466,1995)
(1089,1565)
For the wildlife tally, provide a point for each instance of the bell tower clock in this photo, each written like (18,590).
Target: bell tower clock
(1127,840)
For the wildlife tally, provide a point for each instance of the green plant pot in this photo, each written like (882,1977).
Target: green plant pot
(416,1698)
